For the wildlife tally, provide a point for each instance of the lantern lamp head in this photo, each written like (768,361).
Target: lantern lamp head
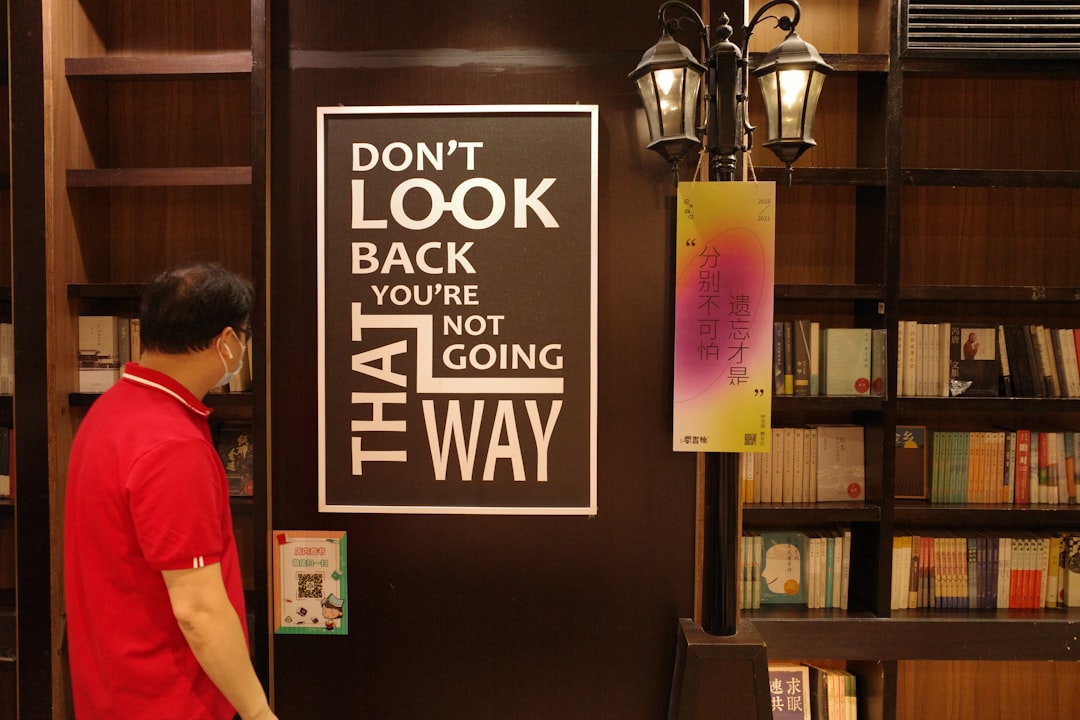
(791,76)
(669,81)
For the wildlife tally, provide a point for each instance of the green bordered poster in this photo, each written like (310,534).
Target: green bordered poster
(310,589)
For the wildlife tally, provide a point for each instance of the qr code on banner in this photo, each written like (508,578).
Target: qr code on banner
(309,586)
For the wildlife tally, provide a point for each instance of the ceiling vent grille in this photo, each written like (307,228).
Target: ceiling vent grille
(1007,28)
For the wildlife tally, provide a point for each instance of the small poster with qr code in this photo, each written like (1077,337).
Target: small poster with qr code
(310,588)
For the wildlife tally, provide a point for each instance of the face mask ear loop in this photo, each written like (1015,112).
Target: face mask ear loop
(226,346)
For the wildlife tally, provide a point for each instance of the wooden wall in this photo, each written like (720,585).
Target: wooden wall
(489,617)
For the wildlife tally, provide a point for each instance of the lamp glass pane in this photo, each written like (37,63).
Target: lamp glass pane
(813,93)
(647,91)
(793,84)
(670,83)
(690,101)
(771,95)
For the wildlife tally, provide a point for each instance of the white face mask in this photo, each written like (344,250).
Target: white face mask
(229,374)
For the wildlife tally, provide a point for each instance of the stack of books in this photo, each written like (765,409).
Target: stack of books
(801,691)
(987,360)
(811,360)
(983,571)
(821,463)
(795,567)
(1013,467)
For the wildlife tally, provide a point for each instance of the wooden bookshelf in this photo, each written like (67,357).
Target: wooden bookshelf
(929,211)
(161,160)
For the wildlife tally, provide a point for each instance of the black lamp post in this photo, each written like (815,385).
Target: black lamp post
(669,79)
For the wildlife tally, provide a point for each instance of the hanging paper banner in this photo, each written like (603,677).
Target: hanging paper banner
(724,257)
(310,584)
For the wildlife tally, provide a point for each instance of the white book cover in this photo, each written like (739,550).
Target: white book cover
(99,353)
(841,468)
(847,357)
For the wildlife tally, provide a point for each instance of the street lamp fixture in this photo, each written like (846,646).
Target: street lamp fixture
(669,79)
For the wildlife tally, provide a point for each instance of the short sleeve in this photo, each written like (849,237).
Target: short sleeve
(175,497)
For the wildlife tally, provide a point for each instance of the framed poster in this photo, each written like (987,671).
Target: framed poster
(457,309)
(310,582)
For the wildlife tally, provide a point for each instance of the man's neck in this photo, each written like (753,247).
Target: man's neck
(192,370)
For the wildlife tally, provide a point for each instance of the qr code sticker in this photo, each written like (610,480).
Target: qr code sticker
(309,586)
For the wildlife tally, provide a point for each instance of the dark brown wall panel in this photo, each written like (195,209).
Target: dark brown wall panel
(490,617)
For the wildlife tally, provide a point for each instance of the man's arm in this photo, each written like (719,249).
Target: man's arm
(213,630)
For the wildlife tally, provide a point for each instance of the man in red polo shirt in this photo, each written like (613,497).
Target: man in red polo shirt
(155,606)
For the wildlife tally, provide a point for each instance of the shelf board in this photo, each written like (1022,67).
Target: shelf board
(962,177)
(914,513)
(774,515)
(845,63)
(160,66)
(158,177)
(989,293)
(827,403)
(106,291)
(926,635)
(872,177)
(985,407)
(829,292)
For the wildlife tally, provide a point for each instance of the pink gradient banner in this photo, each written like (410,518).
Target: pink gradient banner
(725,236)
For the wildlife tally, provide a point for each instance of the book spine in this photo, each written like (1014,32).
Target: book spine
(1006,369)
(789,358)
(778,358)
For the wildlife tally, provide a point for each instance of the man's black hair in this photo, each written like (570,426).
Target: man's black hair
(184,308)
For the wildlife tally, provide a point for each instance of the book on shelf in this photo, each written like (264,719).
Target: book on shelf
(789,691)
(801,365)
(1016,467)
(106,344)
(910,474)
(750,577)
(7,464)
(846,361)
(789,358)
(801,360)
(878,362)
(236,449)
(99,352)
(7,358)
(778,355)
(787,473)
(907,358)
(796,567)
(1006,367)
(983,571)
(833,694)
(841,465)
(135,338)
(987,360)
(783,567)
(974,365)
(1042,361)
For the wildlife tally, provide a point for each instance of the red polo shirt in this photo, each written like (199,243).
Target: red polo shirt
(146,492)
